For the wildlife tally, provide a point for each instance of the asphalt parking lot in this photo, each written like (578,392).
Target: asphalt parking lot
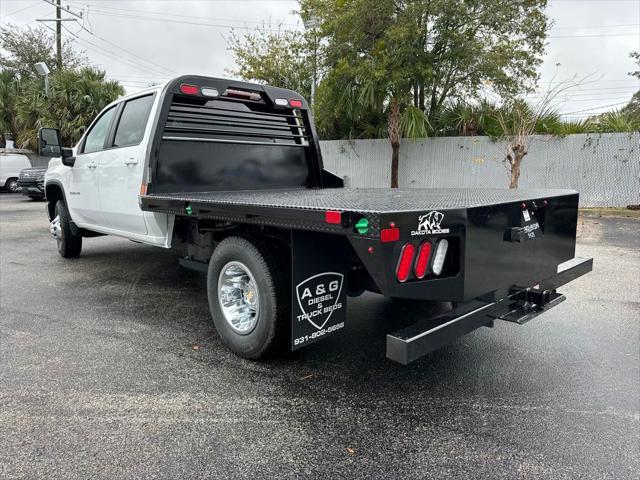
(110,368)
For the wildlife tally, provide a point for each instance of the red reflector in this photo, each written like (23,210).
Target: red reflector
(390,235)
(189,89)
(331,216)
(404,265)
(422,261)
(295,103)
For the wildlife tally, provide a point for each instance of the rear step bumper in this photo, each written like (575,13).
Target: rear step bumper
(519,306)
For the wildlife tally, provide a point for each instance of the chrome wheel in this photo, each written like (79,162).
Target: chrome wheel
(239,297)
(55,229)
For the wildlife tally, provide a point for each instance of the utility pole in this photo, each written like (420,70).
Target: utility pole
(58,35)
(58,30)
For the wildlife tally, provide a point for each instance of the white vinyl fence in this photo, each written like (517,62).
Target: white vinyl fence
(604,168)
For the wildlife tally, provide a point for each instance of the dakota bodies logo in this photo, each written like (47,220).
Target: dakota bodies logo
(429,224)
(318,298)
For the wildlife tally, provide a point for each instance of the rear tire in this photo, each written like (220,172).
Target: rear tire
(248,297)
(69,243)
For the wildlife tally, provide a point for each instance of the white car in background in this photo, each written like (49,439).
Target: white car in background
(11,162)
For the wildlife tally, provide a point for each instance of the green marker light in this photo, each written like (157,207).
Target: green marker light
(188,209)
(362,226)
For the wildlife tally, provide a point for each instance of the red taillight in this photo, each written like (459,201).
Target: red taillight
(422,262)
(389,235)
(331,216)
(404,265)
(295,103)
(189,89)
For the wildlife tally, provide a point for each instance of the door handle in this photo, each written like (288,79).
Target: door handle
(92,165)
(131,161)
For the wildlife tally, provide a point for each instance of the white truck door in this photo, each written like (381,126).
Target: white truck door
(83,191)
(121,168)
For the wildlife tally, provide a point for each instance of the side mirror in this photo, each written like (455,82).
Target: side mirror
(49,142)
(49,145)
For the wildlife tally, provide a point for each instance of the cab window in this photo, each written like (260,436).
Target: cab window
(97,136)
(133,121)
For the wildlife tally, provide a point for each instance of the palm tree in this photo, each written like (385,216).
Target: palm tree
(8,95)
(75,99)
(400,119)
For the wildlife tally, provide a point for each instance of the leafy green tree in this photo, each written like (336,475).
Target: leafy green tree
(76,92)
(636,57)
(390,66)
(469,119)
(632,109)
(408,57)
(616,121)
(281,59)
(23,47)
(8,96)
(75,98)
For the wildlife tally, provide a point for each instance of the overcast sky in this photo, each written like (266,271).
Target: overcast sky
(143,41)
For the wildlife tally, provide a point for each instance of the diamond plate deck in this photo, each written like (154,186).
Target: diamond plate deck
(369,200)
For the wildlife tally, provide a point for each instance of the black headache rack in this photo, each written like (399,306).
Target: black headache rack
(221,135)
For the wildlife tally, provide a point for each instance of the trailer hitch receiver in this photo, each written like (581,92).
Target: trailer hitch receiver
(519,306)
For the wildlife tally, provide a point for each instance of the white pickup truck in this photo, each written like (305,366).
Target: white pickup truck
(230,175)
(100,190)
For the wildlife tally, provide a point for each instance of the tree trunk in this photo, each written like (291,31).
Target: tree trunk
(394,139)
(395,157)
(515,161)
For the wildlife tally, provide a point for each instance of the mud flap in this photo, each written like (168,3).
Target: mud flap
(319,287)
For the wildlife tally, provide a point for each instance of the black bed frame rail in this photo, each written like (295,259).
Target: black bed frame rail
(519,306)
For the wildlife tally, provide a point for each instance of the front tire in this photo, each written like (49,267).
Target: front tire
(248,297)
(69,243)
(12,185)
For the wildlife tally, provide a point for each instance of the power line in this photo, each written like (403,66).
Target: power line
(596,35)
(170,14)
(109,42)
(184,22)
(596,26)
(595,108)
(595,96)
(131,53)
(139,17)
(100,11)
(21,9)
(610,99)
(109,54)
(593,91)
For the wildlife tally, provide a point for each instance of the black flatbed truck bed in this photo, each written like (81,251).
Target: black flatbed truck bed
(244,163)
(305,208)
